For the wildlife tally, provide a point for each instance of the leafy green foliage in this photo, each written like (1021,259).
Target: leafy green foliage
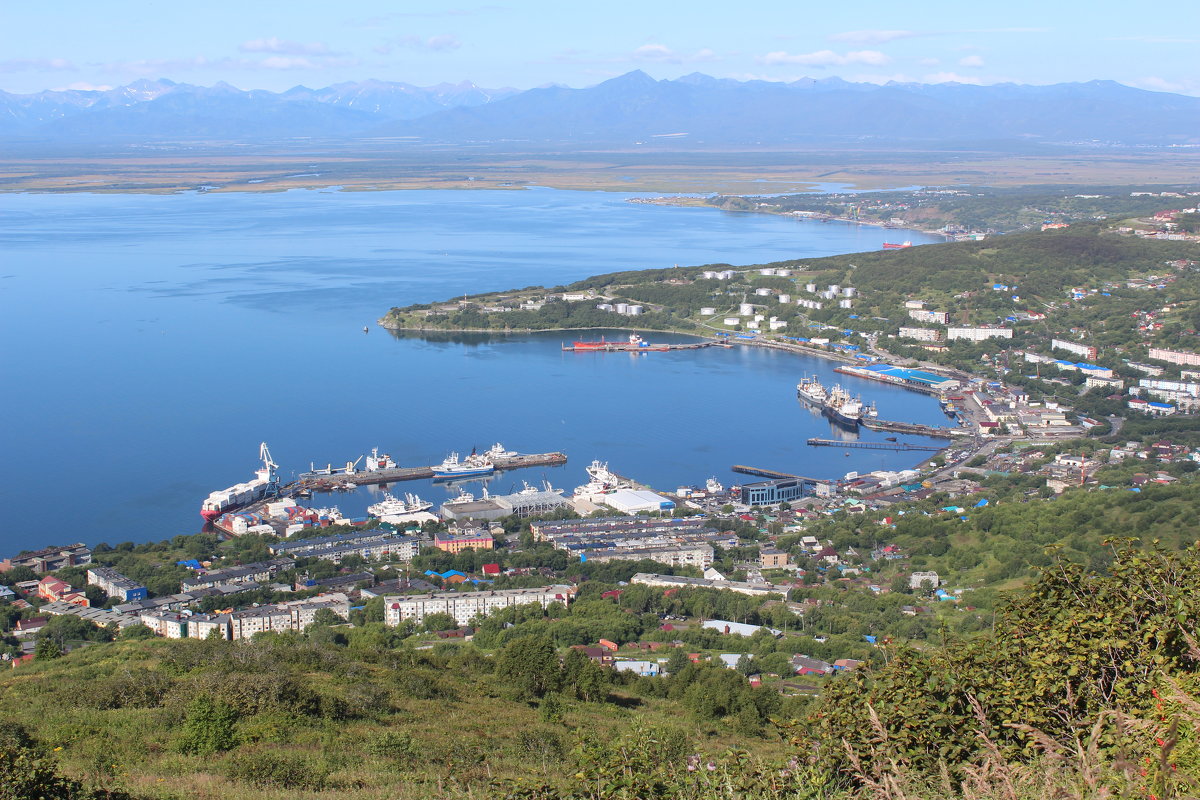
(208,727)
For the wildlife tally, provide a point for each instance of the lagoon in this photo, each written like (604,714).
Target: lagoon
(151,342)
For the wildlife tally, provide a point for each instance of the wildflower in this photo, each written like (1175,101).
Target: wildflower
(711,766)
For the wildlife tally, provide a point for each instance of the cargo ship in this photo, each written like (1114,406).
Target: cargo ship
(265,482)
(896,245)
(473,464)
(634,342)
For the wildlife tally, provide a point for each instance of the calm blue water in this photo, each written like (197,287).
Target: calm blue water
(150,343)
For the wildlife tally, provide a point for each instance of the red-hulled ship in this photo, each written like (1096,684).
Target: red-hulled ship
(896,245)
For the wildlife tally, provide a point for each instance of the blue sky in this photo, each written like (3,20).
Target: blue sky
(270,44)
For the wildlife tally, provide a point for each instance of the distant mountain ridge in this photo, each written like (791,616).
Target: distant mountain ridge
(696,109)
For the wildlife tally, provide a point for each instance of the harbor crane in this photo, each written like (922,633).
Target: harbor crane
(352,466)
(268,471)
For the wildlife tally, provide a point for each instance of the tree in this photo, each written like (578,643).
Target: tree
(677,661)
(134,632)
(529,665)
(439,622)
(47,649)
(208,727)
(327,616)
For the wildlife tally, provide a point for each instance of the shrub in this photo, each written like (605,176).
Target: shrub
(267,770)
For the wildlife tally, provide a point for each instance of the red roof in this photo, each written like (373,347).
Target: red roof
(491,569)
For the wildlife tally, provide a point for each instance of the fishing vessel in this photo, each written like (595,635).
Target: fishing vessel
(846,410)
(497,451)
(393,509)
(473,464)
(812,391)
(377,461)
(464,497)
(265,482)
(602,482)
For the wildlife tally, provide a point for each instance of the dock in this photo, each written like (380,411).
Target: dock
(873,445)
(767,473)
(322,482)
(913,428)
(627,347)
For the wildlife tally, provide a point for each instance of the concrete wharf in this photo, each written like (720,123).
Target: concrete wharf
(338,480)
(626,347)
(769,473)
(913,428)
(872,445)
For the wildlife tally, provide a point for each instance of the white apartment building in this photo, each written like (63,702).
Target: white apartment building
(978,334)
(465,606)
(921,334)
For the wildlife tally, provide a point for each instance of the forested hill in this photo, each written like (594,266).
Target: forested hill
(1038,269)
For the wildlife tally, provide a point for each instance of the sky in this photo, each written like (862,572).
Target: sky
(274,45)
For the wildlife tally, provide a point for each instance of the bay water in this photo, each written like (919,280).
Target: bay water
(150,342)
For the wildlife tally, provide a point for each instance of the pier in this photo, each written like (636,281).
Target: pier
(767,473)
(322,482)
(873,445)
(627,347)
(913,428)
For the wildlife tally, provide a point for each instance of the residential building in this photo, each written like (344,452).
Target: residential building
(737,628)
(697,555)
(456,542)
(927,315)
(114,584)
(978,334)
(780,490)
(50,559)
(465,606)
(770,558)
(50,588)
(680,582)
(1175,356)
(100,617)
(1082,350)
(168,624)
(921,334)
(259,572)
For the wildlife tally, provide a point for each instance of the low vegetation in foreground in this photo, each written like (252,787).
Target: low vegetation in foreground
(1085,687)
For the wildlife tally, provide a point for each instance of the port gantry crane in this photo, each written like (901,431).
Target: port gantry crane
(268,472)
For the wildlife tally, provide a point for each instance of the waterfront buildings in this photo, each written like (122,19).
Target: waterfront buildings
(50,559)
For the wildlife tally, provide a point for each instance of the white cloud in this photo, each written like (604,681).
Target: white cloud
(37,65)
(1155,83)
(662,54)
(971,61)
(828,58)
(82,86)
(872,36)
(287,62)
(436,44)
(952,77)
(929,62)
(284,47)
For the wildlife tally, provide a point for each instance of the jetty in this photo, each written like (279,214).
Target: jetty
(913,428)
(768,473)
(645,347)
(873,445)
(337,481)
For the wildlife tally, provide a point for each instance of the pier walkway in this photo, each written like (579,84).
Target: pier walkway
(323,482)
(913,428)
(873,445)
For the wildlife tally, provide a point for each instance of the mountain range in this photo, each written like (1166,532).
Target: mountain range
(693,111)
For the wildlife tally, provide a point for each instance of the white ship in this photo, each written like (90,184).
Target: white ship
(602,482)
(473,464)
(497,451)
(811,391)
(463,498)
(377,461)
(392,509)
